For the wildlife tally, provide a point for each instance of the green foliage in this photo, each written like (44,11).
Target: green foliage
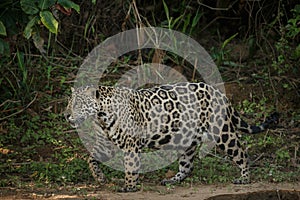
(282,155)
(29,14)
(293,30)
(213,169)
(285,46)
(49,21)
(2,29)
(250,107)
(293,23)
(21,83)
(70,4)
(186,22)
(273,150)
(29,27)
(39,11)
(221,55)
(43,153)
(30,7)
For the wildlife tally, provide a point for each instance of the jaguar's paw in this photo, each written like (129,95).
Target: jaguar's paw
(241,181)
(127,189)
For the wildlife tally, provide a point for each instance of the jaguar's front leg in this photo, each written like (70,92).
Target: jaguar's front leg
(132,166)
(96,171)
(102,151)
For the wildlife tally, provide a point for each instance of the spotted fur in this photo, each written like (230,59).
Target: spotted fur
(164,117)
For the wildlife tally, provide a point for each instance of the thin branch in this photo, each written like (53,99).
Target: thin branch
(8,101)
(219,9)
(258,158)
(13,114)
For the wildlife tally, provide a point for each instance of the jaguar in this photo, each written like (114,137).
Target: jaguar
(180,116)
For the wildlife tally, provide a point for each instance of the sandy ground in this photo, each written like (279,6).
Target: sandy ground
(152,192)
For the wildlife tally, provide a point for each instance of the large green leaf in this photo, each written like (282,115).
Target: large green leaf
(29,7)
(44,4)
(49,21)
(28,28)
(2,29)
(69,4)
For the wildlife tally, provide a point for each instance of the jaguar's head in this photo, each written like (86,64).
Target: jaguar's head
(82,105)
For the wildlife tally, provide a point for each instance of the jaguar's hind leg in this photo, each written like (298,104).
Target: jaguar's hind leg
(233,149)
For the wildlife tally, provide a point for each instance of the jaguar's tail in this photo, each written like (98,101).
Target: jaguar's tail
(270,122)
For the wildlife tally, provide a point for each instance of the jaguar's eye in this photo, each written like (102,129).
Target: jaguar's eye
(76,105)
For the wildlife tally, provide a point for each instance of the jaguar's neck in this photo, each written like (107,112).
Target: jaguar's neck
(113,103)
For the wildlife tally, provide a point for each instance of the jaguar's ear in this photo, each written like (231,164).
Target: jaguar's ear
(72,90)
(91,91)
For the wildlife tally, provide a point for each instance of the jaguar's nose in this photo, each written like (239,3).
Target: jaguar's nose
(67,116)
(69,119)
